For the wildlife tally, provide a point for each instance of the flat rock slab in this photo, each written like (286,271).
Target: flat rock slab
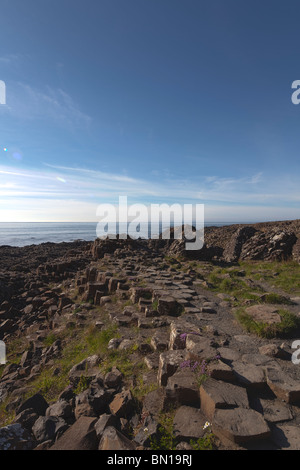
(240,425)
(274,411)
(80,436)
(154,402)
(286,436)
(249,375)
(245,339)
(216,394)
(264,314)
(219,370)
(200,348)
(228,354)
(259,360)
(284,387)
(188,423)
(168,306)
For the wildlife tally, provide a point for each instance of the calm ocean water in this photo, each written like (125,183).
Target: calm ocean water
(31,233)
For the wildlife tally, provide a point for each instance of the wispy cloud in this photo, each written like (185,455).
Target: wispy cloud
(94,173)
(48,104)
(62,189)
(10,59)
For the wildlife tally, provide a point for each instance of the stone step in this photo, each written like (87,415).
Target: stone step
(240,425)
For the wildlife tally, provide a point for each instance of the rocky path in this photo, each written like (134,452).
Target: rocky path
(198,369)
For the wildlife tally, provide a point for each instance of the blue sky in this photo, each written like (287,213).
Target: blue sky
(166,101)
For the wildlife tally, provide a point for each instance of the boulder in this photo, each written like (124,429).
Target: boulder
(114,440)
(87,369)
(122,404)
(47,427)
(15,437)
(177,329)
(104,422)
(26,418)
(61,409)
(80,436)
(159,341)
(113,379)
(219,370)
(92,401)
(169,362)
(36,403)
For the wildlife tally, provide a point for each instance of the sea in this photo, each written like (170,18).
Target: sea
(34,233)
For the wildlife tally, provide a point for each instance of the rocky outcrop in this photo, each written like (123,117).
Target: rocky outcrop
(183,338)
(233,250)
(262,241)
(253,242)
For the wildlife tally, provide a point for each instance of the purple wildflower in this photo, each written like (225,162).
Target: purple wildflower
(185,364)
(194,366)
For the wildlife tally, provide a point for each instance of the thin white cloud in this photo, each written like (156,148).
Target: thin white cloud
(29,103)
(94,173)
(88,188)
(10,59)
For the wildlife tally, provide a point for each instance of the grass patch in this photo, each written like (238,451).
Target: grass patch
(141,389)
(50,339)
(97,341)
(284,275)
(165,440)
(238,283)
(78,345)
(233,285)
(6,417)
(207,442)
(277,299)
(48,384)
(83,384)
(288,327)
